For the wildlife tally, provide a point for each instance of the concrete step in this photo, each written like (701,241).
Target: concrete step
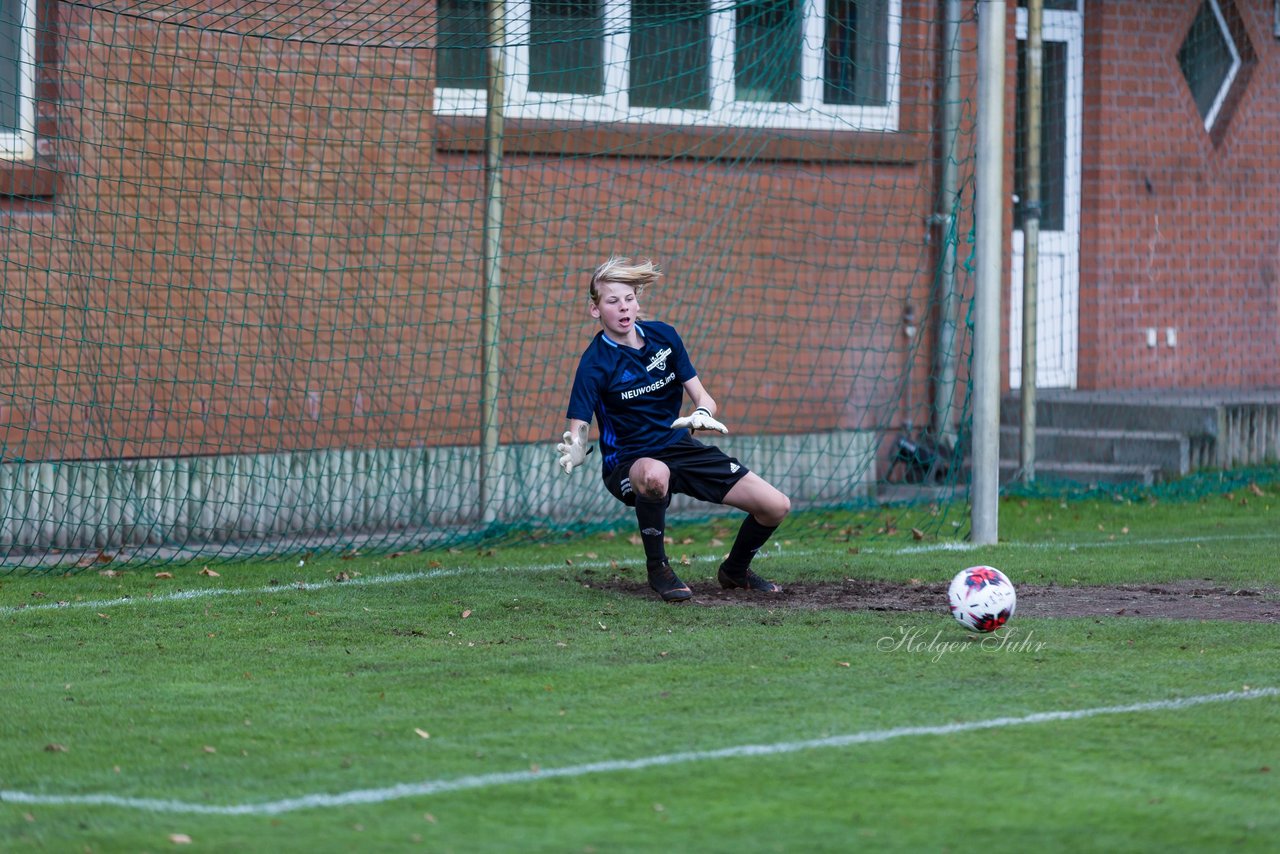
(1190,418)
(1169,452)
(1224,427)
(919,493)
(1086,474)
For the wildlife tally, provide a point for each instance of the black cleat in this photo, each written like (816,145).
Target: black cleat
(668,585)
(746,580)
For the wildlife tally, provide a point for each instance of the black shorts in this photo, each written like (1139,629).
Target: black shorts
(702,471)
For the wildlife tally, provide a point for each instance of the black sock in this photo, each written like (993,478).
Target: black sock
(652,515)
(751,538)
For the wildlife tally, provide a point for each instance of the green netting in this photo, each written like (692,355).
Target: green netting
(279,276)
(248,313)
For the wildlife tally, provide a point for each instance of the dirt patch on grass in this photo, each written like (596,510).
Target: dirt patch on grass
(1187,600)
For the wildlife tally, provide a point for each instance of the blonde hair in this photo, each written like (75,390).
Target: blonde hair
(638,274)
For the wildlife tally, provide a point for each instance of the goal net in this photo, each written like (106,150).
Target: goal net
(314,274)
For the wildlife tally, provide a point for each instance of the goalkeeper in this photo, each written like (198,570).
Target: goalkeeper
(632,378)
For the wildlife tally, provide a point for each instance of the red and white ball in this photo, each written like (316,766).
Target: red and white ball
(982,598)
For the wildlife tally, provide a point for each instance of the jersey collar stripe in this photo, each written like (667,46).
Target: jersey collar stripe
(606,339)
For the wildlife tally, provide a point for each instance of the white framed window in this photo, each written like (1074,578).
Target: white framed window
(821,64)
(17,80)
(1209,60)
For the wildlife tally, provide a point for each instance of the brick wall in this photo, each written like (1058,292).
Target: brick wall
(259,244)
(256,246)
(1181,227)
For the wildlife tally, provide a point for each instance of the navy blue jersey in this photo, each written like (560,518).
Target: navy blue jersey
(633,394)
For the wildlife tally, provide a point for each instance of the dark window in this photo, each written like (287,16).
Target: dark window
(1209,60)
(29,95)
(17,95)
(462,37)
(855,69)
(1055,5)
(1053,137)
(566,47)
(766,58)
(652,61)
(670,54)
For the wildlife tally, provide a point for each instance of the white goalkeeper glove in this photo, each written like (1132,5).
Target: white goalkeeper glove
(572,452)
(700,420)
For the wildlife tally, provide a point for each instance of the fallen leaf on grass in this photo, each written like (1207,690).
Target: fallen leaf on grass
(164,575)
(209,572)
(1256,490)
(179,839)
(54,748)
(917,534)
(208,748)
(466,613)
(422,733)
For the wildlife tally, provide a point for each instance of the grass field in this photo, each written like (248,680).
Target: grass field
(487,700)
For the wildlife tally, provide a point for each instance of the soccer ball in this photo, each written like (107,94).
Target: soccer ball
(982,598)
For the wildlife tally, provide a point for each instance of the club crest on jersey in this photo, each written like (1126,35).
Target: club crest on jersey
(659,361)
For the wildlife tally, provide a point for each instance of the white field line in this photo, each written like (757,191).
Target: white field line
(485,781)
(215,592)
(323,584)
(953,546)
(423,575)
